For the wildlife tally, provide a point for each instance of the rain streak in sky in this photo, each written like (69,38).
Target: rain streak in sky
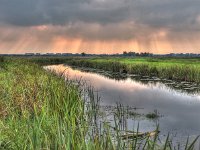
(99,26)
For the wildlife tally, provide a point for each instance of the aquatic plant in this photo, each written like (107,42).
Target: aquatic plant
(152,116)
(180,70)
(41,110)
(1,59)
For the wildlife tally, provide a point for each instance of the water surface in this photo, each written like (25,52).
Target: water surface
(179,111)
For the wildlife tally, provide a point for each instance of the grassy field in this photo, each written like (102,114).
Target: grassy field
(180,69)
(38,110)
(41,110)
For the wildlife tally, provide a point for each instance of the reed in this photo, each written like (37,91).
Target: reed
(42,110)
(181,70)
(1,59)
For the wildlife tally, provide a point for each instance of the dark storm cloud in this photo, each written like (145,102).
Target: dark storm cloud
(102,20)
(158,13)
(172,14)
(60,12)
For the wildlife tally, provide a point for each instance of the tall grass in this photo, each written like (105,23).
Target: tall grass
(39,110)
(1,59)
(1,62)
(179,69)
(173,71)
(42,110)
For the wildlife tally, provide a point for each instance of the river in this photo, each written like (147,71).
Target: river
(179,111)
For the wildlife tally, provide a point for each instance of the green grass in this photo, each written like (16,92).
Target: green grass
(42,110)
(180,69)
(38,109)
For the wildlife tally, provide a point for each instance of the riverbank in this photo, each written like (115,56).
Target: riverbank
(177,69)
(42,110)
(39,110)
(167,68)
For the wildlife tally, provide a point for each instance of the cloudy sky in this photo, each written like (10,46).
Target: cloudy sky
(99,26)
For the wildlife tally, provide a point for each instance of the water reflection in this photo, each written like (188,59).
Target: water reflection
(180,111)
(181,86)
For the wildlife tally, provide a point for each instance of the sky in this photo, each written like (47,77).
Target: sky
(99,26)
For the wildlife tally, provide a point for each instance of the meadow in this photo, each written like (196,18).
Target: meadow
(42,110)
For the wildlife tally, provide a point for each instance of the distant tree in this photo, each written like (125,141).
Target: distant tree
(137,54)
(83,54)
(131,53)
(146,54)
(124,53)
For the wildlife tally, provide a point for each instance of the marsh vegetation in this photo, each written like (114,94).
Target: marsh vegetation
(178,69)
(44,110)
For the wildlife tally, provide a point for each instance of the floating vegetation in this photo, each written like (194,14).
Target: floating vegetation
(152,116)
(189,87)
(139,135)
(134,114)
(173,69)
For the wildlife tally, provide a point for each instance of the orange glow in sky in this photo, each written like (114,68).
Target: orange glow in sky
(46,39)
(99,26)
